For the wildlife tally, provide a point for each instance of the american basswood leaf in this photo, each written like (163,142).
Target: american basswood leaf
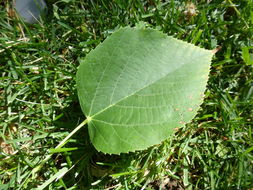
(138,85)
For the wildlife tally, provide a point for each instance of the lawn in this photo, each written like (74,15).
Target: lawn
(39,105)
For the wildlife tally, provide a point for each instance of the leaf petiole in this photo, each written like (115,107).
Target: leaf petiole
(60,145)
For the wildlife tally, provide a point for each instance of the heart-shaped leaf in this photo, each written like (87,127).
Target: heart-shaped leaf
(138,85)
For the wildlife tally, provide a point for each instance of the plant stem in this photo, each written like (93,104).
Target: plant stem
(61,144)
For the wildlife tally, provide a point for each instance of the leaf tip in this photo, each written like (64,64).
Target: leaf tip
(214,51)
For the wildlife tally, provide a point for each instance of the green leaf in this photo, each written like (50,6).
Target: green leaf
(138,85)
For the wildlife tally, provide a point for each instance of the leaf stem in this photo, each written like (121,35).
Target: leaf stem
(61,144)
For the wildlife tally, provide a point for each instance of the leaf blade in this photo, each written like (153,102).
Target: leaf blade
(147,65)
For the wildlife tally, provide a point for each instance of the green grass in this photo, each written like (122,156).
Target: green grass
(39,105)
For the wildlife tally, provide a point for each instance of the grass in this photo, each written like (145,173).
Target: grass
(39,104)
